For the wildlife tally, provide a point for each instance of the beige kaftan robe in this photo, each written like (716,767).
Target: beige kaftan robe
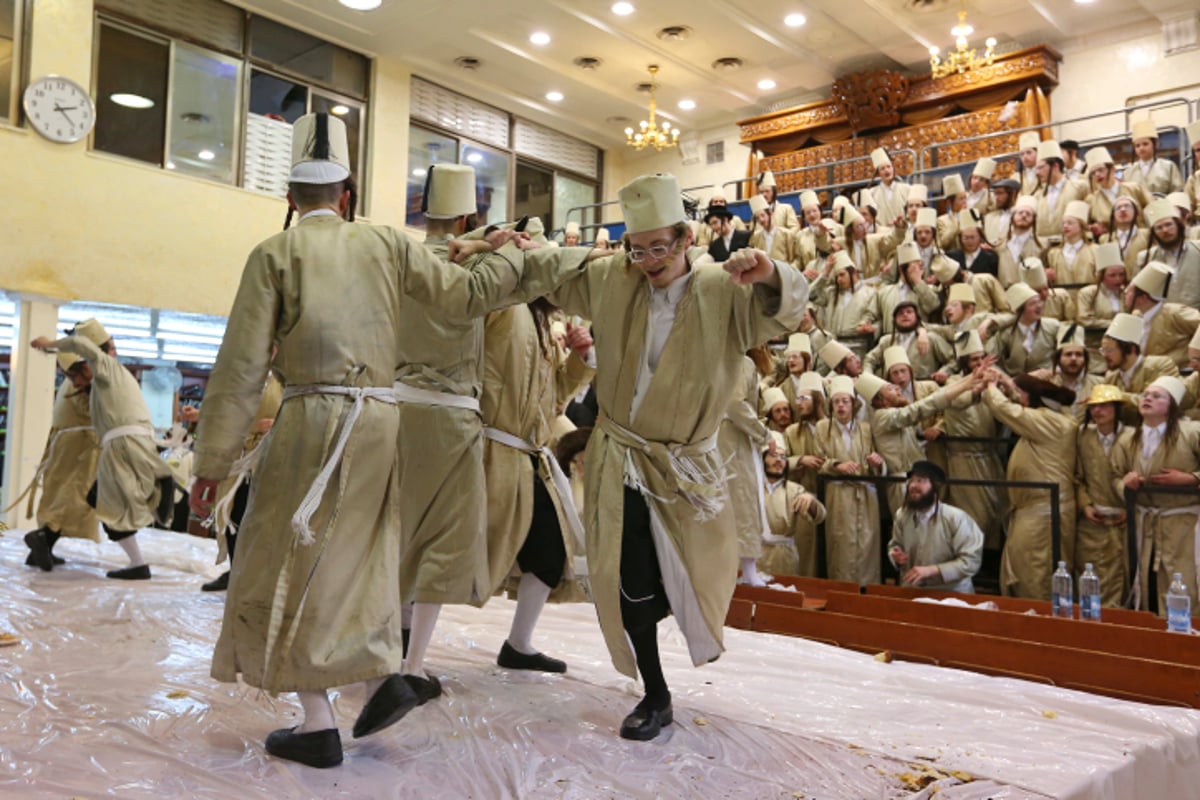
(791,548)
(331,295)
(1101,545)
(1161,177)
(129,468)
(741,438)
(1132,244)
(715,323)
(1008,344)
(852,524)
(524,382)
(1045,453)
(951,541)
(977,460)
(895,438)
(71,457)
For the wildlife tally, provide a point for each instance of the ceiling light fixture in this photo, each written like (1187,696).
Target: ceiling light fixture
(651,134)
(206,155)
(361,5)
(794,20)
(474,158)
(554,97)
(622,9)
(340,110)
(961,59)
(766,84)
(131,100)
(540,38)
(687,105)
(419,173)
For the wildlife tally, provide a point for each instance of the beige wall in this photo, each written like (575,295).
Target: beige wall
(84,225)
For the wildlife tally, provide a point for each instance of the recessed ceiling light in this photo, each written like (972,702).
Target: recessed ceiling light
(361,5)
(131,100)
(419,173)
(206,155)
(794,20)
(554,97)
(766,84)
(540,38)
(340,110)
(687,105)
(170,165)
(622,9)
(474,158)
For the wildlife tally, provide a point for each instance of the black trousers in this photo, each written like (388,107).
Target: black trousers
(543,552)
(643,598)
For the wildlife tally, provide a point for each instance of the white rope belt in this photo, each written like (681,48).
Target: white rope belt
(122,431)
(770,538)
(1143,514)
(308,506)
(42,467)
(561,483)
(221,516)
(404,393)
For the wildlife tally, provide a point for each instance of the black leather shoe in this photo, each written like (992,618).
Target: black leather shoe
(217,584)
(392,700)
(139,573)
(53,558)
(511,658)
(317,749)
(644,723)
(426,688)
(39,550)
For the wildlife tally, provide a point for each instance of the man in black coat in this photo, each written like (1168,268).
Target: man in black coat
(726,241)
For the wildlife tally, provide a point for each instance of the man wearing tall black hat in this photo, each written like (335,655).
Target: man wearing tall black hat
(934,545)
(725,240)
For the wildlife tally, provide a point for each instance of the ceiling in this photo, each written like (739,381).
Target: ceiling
(838,38)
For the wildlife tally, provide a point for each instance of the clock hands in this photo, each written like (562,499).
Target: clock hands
(64,111)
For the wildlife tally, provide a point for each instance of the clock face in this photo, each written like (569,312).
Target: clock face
(59,109)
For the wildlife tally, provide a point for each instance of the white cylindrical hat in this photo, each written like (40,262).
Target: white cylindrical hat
(775,440)
(67,360)
(602,235)
(767,180)
(1070,335)
(1026,201)
(969,218)
(758,203)
(1077,209)
(571,228)
(962,293)
(1179,200)
(93,331)
(834,353)
(1018,295)
(1029,140)
(927,218)
(968,343)
(320,150)
(1107,255)
(1126,328)
(944,268)
(841,384)
(879,158)
(1097,157)
(811,382)
(1049,149)
(773,397)
(1033,273)
(449,191)
(867,385)
(1172,386)
(907,253)
(1153,279)
(1144,129)
(847,215)
(918,192)
(894,356)
(952,185)
(1159,210)
(808,198)
(650,202)
(841,201)
(799,343)
(985,168)
(842,261)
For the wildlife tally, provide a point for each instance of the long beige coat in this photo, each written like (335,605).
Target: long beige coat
(1094,306)
(1050,217)
(1009,345)
(331,295)
(1101,545)
(890,201)
(1081,270)
(1045,453)
(715,323)
(524,382)
(1131,248)
(128,468)
(1163,177)
(742,435)
(951,541)
(852,524)
(1166,522)
(987,505)
(1171,329)
(71,458)
(798,554)
(1100,205)
(894,432)
(1185,285)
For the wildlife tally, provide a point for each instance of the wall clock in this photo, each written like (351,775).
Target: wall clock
(59,108)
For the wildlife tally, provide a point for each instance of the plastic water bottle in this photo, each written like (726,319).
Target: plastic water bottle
(1089,594)
(1060,592)
(1179,606)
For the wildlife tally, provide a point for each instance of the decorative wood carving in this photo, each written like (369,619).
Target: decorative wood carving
(871,99)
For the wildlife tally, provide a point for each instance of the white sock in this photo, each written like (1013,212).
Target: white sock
(318,712)
(531,599)
(130,546)
(424,618)
(750,572)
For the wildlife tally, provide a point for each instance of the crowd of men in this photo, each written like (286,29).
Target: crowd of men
(385,462)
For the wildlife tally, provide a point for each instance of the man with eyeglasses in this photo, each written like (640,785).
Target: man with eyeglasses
(669,342)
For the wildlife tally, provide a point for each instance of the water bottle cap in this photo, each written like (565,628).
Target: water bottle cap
(1062,565)
(1177,576)
(1088,565)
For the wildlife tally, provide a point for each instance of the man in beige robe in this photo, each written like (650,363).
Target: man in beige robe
(67,472)
(670,342)
(1100,530)
(789,545)
(134,487)
(934,545)
(1168,325)
(741,438)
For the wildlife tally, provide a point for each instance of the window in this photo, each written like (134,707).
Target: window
(534,195)
(204,88)
(491,182)
(10,27)
(571,193)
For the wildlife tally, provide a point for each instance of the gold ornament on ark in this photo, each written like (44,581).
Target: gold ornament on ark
(961,59)
(651,135)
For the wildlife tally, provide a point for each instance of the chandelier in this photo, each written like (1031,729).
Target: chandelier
(651,135)
(960,59)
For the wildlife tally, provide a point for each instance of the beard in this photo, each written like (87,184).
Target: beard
(922,502)
(773,474)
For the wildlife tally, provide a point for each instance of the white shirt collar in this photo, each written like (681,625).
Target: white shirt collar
(318,212)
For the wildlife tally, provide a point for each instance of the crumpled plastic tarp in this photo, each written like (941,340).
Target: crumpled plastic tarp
(108,695)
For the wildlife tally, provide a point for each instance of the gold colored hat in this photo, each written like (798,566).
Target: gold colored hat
(1105,393)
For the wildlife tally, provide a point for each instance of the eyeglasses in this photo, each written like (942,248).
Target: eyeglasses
(656,252)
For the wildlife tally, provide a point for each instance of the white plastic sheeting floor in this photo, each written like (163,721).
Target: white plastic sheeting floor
(107,694)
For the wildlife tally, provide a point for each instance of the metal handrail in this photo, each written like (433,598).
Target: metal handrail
(826,165)
(606,203)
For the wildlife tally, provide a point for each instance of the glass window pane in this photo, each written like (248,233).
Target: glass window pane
(134,69)
(204,109)
(352,115)
(277,98)
(424,149)
(534,193)
(571,193)
(491,182)
(302,54)
(8,18)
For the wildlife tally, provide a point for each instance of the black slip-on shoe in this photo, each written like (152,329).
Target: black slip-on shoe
(39,550)
(138,573)
(392,700)
(426,688)
(217,584)
(511,658)
(316,749)
(644,723)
